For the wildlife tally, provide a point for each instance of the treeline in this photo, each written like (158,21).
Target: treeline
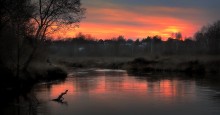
(25,24)
(206,41)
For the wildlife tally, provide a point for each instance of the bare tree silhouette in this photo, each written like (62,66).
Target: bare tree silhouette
(51,15)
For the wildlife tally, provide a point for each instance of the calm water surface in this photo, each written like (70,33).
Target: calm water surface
(114,92)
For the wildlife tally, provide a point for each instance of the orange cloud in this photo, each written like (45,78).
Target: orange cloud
(106,23)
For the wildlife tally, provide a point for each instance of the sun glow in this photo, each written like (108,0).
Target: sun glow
(106,23)
(172,29)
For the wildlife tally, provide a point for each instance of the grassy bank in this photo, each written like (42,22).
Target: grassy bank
(38,72)
(47,72)
(199,65)
(93,62)
(191,65)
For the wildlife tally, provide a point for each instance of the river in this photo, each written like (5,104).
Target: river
(115,92)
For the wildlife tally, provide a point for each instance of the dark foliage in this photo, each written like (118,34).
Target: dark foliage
(56,73)
(205,42)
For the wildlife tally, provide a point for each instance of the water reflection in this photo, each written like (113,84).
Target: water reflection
(108,92)
(22,105)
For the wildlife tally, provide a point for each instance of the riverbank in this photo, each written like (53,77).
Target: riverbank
(187,66)
(190,65)
(38,72)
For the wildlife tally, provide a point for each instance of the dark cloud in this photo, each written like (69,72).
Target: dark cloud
(204,4)
(210,8)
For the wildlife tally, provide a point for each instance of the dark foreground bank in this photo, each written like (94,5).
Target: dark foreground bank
(12,85)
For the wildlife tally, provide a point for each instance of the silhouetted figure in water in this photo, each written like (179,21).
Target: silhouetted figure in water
(60,97)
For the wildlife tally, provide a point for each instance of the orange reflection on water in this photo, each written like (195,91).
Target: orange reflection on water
(137,86)
(168,88)
(122,84)
(101,86)
(56,90)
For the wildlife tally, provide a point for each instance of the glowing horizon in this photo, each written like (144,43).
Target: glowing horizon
(109,19)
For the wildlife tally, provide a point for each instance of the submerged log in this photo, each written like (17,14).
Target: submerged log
(60,97)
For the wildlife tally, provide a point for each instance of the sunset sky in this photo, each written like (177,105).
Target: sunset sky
(141,18)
